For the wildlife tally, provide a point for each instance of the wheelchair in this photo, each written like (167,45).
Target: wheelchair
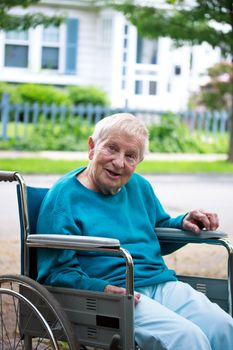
(34,316)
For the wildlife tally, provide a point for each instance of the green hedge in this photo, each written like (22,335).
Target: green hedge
(48,94)
(11,91)
(42,94)
(87,94)
(170,136)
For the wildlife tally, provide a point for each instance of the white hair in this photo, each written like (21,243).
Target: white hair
(122,122)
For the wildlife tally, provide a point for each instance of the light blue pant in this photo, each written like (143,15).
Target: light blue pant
(174,316)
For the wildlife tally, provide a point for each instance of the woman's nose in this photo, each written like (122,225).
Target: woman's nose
(119,160)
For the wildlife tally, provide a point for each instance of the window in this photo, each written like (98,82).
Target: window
(50,58)
(145,87)
(106,30)
(126,29)
(147,51)
(138,87)
(191,61)
(50,48)
(125,43)
(152,88)
(177,70)
(124,62)
(123,84)
(169,86)
(51,34)
(124,56)
(124,70)
(16,49)
(17,35)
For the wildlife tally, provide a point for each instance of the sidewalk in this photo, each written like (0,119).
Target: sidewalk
(66,155)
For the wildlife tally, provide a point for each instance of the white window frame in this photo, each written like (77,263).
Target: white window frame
(16,42)
(147,55)
(146,87)
(59,45)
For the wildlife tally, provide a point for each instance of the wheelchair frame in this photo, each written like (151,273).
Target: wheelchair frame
(89,313)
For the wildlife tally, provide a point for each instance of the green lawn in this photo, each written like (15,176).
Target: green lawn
(47,166)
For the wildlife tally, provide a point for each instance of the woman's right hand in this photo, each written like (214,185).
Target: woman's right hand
(121,291)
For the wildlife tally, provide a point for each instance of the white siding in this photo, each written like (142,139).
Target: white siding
(100,61)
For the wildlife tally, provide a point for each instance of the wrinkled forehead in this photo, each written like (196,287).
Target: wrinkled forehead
(122,139)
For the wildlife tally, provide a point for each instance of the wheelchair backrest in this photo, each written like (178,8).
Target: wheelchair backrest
(35,196)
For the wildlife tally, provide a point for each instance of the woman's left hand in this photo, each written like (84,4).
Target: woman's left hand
(198,219)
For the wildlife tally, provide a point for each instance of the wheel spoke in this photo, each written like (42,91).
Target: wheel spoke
(30,313)
(39,342)
(18,343)
(5,333)
(1,320)
(16,320)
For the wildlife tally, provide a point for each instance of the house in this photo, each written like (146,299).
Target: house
(97,46)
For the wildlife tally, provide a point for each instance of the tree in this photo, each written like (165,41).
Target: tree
(9,21)
(216,94)
(188,22)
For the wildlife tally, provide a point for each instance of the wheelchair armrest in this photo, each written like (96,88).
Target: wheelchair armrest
(71,241)
(172,239)
(174,233)
(101,244)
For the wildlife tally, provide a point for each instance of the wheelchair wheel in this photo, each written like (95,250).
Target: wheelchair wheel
(31,318)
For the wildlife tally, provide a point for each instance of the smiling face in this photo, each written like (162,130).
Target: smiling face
(113,161)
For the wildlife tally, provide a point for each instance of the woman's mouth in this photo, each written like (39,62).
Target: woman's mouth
(113,174)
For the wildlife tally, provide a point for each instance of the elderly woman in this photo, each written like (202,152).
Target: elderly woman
(108,199)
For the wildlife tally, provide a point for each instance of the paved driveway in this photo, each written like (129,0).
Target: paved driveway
(178,193)
(181,193)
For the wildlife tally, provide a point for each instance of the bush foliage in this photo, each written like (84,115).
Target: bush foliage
(170,135)
(87,94)
(33,93)
(71,95)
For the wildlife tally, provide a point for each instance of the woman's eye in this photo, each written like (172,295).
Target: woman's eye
(130,156)
(111,148)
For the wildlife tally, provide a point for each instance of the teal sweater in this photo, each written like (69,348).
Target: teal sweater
(131,216)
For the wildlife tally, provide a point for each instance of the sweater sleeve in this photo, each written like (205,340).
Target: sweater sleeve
(163,219)
(58,267)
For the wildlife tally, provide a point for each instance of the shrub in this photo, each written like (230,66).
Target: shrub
(42,94)
(87,94)
(48,94)
(41,143)
(171,135)
(9,90)
(47,137)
